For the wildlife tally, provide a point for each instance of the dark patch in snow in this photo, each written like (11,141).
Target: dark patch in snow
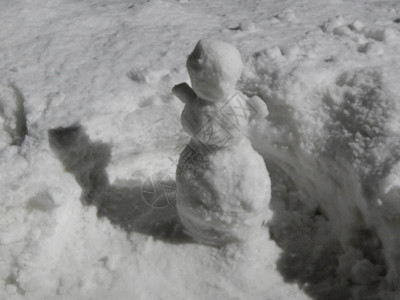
(310,249)
(121,203)
(13,111)
(12,280)
(42,202)
(237,28)
(21,124)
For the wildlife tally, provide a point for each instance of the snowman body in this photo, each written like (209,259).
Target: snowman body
(223,186)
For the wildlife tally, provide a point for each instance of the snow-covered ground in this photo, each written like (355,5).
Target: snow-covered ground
(88,115)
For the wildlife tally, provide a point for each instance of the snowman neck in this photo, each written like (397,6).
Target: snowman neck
(218,101)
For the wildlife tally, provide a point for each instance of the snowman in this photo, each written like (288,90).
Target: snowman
(223,186)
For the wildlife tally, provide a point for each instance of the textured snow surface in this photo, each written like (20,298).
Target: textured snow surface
(87,115)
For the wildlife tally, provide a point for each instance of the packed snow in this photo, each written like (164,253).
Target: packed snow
(89,123)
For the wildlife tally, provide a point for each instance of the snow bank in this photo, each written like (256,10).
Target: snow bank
(333,129)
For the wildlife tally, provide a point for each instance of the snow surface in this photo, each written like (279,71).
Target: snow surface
(87,115)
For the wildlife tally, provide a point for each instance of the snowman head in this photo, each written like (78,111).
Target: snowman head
(214,68)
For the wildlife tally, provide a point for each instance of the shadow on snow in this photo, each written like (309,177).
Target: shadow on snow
(121,203)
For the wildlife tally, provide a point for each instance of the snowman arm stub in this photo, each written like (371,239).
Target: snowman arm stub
(184,92)
(259,106)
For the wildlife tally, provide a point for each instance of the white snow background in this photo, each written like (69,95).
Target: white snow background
(87,114)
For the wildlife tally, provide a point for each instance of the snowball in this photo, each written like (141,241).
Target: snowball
(223,195)
(214,68)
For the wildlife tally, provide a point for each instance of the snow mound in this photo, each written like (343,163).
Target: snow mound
(333,128)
